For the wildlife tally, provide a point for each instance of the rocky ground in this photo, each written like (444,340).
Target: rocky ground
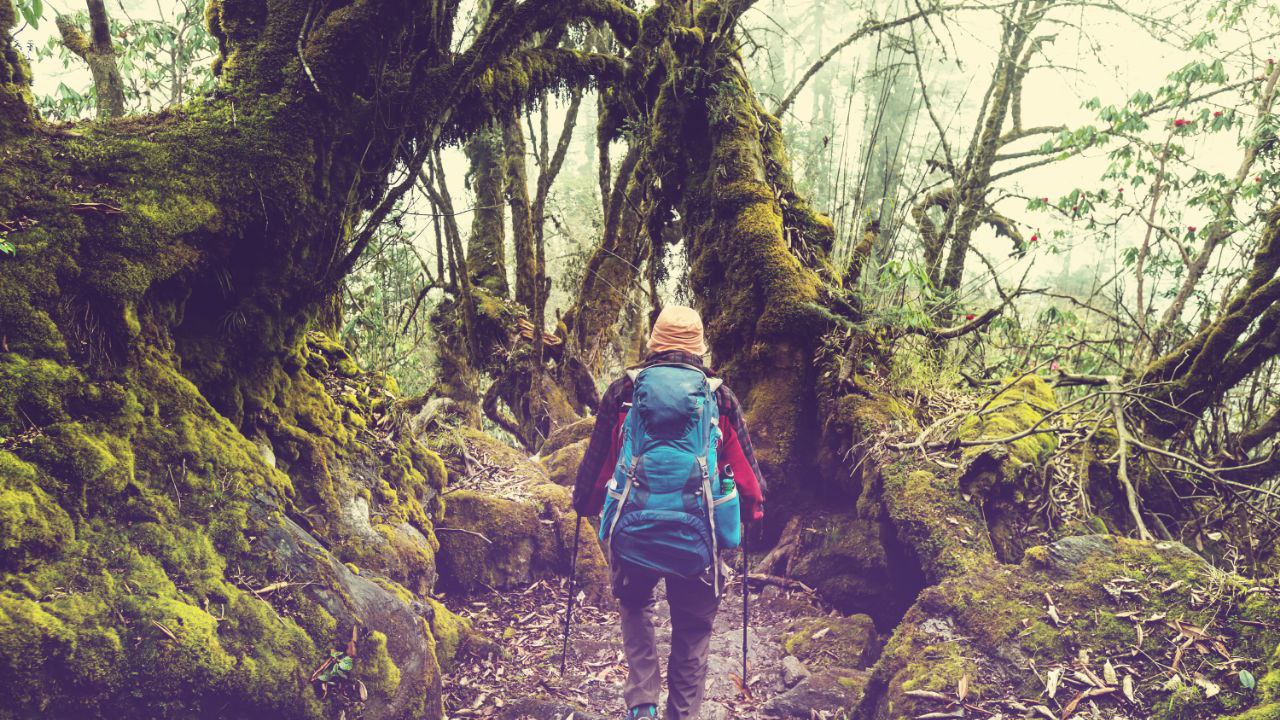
(1086,626)
(517,677)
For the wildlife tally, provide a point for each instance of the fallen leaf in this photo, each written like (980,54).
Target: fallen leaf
(1051,685)
(962,689)
(1126,686)
(927,695)
(1109,673)
(1052,610)
(1210,688)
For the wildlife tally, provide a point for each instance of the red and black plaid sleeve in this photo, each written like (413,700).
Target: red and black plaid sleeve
(737,453)
(602,450)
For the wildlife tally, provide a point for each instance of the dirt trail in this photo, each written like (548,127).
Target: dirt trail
(522,679)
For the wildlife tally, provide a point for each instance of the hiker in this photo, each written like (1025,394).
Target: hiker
(669,438)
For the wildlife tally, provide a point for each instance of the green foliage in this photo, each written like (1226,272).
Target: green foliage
(32,11)
(164,60)
(387,306)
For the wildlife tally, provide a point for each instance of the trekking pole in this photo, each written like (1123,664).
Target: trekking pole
(568,613)
(745,595)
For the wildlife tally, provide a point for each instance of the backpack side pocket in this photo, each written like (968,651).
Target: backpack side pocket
(728,515)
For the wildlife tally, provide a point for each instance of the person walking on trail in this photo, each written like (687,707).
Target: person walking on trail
(671,471)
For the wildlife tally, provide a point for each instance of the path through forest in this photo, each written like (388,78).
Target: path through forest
(520,679)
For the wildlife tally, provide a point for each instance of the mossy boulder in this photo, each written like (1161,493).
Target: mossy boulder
(832,691)
(832,641)
(1076,605)
(945,534)
(566,435)
(562,465)
(854,563)
(494,542)
(397,658)
(1016,409)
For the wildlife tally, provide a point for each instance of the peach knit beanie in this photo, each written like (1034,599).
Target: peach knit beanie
(678,328)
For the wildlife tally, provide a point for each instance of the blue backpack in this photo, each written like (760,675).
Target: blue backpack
(666,508)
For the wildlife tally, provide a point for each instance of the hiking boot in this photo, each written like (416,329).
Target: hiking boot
(643,712)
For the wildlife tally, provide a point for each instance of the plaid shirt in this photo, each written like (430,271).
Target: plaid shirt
(735,450)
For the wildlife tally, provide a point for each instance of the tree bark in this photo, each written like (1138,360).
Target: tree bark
(167,413)
(99,54)
(486,246)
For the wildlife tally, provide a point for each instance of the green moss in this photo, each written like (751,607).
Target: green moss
(1015,410)
(974,623)
(449,630)
(32,391)
(841,641)
(377,668)
(512,529)
(947,535)
(91,463)
(32,525)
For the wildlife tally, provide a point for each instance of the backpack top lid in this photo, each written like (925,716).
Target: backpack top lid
(669,408)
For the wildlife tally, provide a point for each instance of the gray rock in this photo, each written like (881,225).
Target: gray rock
(793,671)
(1066,555)
(355,600)
(832,690)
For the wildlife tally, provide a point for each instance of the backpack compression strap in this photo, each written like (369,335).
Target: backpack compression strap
(714,382)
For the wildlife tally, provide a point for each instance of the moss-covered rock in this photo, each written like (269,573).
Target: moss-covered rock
(1016,409)
(1083,597)
(567,435)
(832,641)
(493,542)
(562,465)
(945,534)
(854,562)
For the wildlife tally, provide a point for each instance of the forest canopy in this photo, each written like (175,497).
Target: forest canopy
(306,308)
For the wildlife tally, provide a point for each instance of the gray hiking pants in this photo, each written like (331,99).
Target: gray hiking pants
(693,604)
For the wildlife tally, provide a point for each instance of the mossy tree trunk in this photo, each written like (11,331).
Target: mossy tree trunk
(173,439)
(99,54)
(486,246)
(756,249)
(613,270)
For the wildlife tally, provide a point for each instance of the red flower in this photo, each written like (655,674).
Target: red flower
(1120,190)
(1044,200)
(1217,113)
(969,317)
(1035,238)
(1191,228)
(1179,122)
